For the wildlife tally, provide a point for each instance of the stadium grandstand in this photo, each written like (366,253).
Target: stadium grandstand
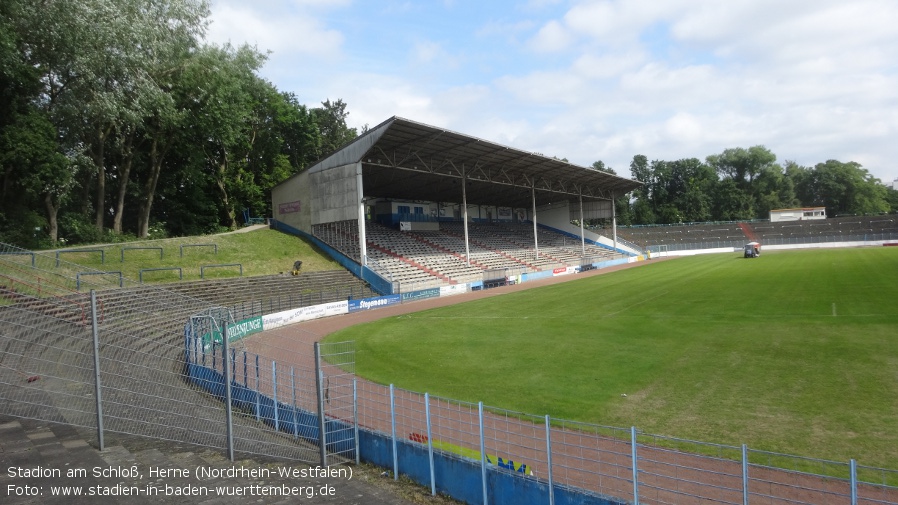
(843,230)
(420,206)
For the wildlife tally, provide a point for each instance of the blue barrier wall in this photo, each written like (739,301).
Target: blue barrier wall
(377,282)
(461,478)
(279,416)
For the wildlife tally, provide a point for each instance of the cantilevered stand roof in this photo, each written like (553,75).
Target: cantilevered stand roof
(403,159)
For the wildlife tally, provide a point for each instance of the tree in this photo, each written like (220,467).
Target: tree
(774,189)
(221,113)
(29,150)
(331,120)
(742,165)
(732,203)
(892,199)
(847,188)
(600,166)
(99,64)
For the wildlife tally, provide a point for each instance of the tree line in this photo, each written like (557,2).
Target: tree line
(118,120)
(744,184)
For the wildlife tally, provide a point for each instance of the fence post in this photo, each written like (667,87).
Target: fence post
(258,393)
(744,474)
(274,394)
(483,472)
(549,460)
(97,384)
(635,466)
(393,431)
(355,418)
(226,367)
(853,467)
(433,482)
(322,424)
(295,415)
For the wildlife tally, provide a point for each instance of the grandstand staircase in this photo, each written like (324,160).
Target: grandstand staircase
(410,262)
(500,253)
(450,252)
(749,232)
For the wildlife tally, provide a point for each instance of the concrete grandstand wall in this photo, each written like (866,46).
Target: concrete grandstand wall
(290,202)
(334,194)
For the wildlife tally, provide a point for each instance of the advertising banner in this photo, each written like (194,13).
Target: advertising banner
(455,289)
(373,303)
(236,331)
(289,207)
(564,271)
(420,294)
(291,316)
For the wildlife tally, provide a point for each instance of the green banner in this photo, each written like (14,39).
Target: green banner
(236,331)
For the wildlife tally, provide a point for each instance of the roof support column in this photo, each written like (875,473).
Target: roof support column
(363,248)
(614,221)
(464,212)
(533,198)
(582,234)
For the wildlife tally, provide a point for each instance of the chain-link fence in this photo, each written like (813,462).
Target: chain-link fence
(74,351)
(598,464)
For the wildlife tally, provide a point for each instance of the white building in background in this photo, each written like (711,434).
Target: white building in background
(802,214)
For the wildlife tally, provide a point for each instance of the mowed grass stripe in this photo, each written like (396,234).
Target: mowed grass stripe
(713,348)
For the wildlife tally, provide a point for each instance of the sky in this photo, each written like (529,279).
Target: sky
(589,80)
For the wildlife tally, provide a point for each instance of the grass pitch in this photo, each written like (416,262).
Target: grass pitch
(794,352)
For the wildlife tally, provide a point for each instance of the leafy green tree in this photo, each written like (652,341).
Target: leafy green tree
(29,151)
(892,199)
(331,120)
(774,189)
(600,166)
(732,203)
(848,188)
(220,114)
(742,165)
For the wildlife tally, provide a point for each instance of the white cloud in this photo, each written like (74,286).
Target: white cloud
(283,33)
(551,38)
(602,79)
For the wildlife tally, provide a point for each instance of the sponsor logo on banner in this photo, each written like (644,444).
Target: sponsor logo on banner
(373,303)
(288,207)
(286,317)
(455,289)
(236,331)
(421,294)
(564,271)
